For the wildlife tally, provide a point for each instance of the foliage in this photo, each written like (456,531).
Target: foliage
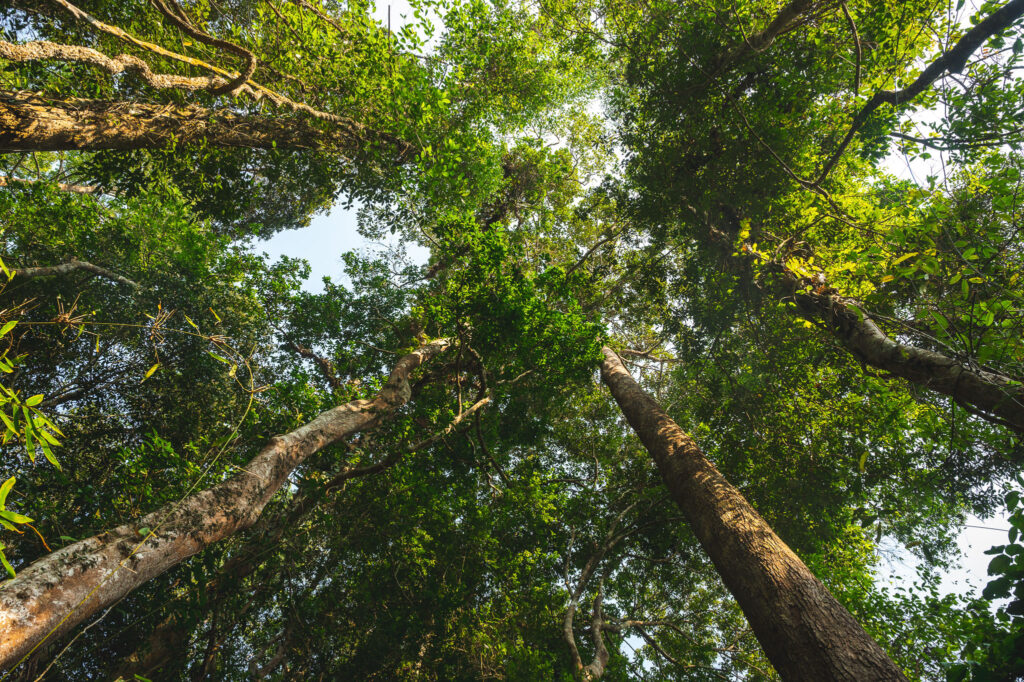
(645,175)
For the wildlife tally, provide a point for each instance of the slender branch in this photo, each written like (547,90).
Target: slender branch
(338,27)
(592,249)
(856,44)
(788,18)
(392,459)
(72,266)
(172,10)
(945,144)
(325,365)
(953,61)
(647,355)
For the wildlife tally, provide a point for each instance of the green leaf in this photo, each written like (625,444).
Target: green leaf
(144,531)
(218,357)
(7,564)
(4,490)
(150,371)
(14,517)
(6,329)
(1000,565)
(30,445)
(47,436)
(8,423)
(34,400)
(49,455)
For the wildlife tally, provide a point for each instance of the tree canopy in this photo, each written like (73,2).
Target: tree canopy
(686,364)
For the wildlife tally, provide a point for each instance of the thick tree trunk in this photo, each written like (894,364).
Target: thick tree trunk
(998,398)
(806,634)
(29,122)
(64,588)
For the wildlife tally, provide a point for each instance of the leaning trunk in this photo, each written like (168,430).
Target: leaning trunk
(64,588)
(993,396)
(805,632)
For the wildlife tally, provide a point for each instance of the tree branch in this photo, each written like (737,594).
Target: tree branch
(43,49)
(172,10)
(73,266)
(64,187)
(325,365)
(952,61)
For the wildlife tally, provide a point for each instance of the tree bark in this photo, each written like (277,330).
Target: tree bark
(30,122)
(72,266)
(64,588)
(999,397)
(806,634)
(62,186)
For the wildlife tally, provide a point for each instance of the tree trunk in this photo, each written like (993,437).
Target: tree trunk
(30,122)
(993,393)
(64,588)
(806,634)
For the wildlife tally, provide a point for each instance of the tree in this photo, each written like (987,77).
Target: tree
(507,495)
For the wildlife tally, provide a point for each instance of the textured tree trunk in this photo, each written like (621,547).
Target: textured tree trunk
(994,394)
(29,122)
(807,635)
(64,588)
(73,266)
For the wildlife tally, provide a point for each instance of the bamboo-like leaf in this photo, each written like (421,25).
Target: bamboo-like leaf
(151,371)
(14,517)
(50,456)
(8,423)
(5,488)
(7,564)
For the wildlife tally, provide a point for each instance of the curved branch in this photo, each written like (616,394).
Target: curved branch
(788,18)
(856,44)
(43,49)
(62,186)
(255,90)
(325,365)
(177,15)
(952,61)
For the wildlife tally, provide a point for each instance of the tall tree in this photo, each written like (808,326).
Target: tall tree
(749,258)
